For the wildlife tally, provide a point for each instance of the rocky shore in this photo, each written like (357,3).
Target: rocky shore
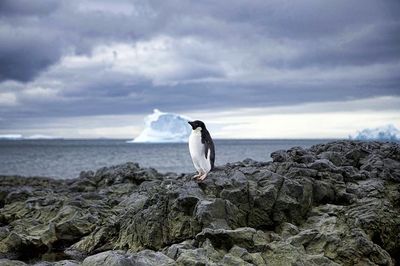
(332,204)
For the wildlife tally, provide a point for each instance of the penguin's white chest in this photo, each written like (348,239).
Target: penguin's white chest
(197,152)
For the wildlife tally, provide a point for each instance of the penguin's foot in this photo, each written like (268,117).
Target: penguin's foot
(201,178)
(197,176)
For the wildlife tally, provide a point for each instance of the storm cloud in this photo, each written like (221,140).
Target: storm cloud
(61,59)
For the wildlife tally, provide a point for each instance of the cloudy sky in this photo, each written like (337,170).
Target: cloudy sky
(249,69)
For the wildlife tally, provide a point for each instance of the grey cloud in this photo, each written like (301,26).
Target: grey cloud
(26,53)
(239,43)
(27,7)
(34,37)
(377,44)
(299,24)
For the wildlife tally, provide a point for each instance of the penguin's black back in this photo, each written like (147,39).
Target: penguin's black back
(209,145)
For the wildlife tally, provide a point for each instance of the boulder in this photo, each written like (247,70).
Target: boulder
(109,258)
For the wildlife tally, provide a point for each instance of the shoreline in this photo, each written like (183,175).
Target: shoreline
(66,159)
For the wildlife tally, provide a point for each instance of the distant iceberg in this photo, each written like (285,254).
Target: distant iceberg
(11,136)
(163,127)
(385,133)
(20,137)
(41,137)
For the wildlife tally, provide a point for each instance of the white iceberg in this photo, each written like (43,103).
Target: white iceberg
(385,133)
(39,136)
(11,136)
(163,127)
(21,137)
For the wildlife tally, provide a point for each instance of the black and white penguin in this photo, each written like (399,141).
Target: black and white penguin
(201,147)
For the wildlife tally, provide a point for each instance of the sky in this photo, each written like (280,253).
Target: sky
(249,69)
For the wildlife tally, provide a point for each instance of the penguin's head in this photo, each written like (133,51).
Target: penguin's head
(197,124)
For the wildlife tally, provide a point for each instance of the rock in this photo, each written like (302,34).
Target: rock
(109,258)
(252,258)
(130,172)
(149,257)
(196,257)
(332,204)
(18,195)
(228,259)
(97,241)
(322,165)
(279,156)
(6,262)
(15,246)
(323,192)
(261,198)
(335,157)
(287,229)
(244,237)
(58,263)
(175,250)
(294,201)
(217,213)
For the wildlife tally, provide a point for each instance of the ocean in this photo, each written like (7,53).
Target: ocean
(67,158)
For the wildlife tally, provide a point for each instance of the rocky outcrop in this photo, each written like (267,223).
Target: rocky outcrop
(332,204)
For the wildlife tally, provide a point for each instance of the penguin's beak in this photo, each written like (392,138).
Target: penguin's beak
(191,124)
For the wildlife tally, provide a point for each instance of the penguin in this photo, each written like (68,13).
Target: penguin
(201,148)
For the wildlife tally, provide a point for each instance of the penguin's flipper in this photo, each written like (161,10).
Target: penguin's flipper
(210,152)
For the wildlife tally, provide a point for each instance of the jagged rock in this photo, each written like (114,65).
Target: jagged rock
(242,253)
(149,257)
(217,213)
(294,201)
(333,204)
(245,237)
(130,172)
(175,250)
(58,263)
(97,241)
(279,156)
(196,257)
(7,262)
(335,157)
(66,263)
(109,258)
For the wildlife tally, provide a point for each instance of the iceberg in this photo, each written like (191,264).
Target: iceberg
(11,136)
(385,133)
(39,136)
(21,137)
(163,127)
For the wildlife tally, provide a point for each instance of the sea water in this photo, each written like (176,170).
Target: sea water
(67,158)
